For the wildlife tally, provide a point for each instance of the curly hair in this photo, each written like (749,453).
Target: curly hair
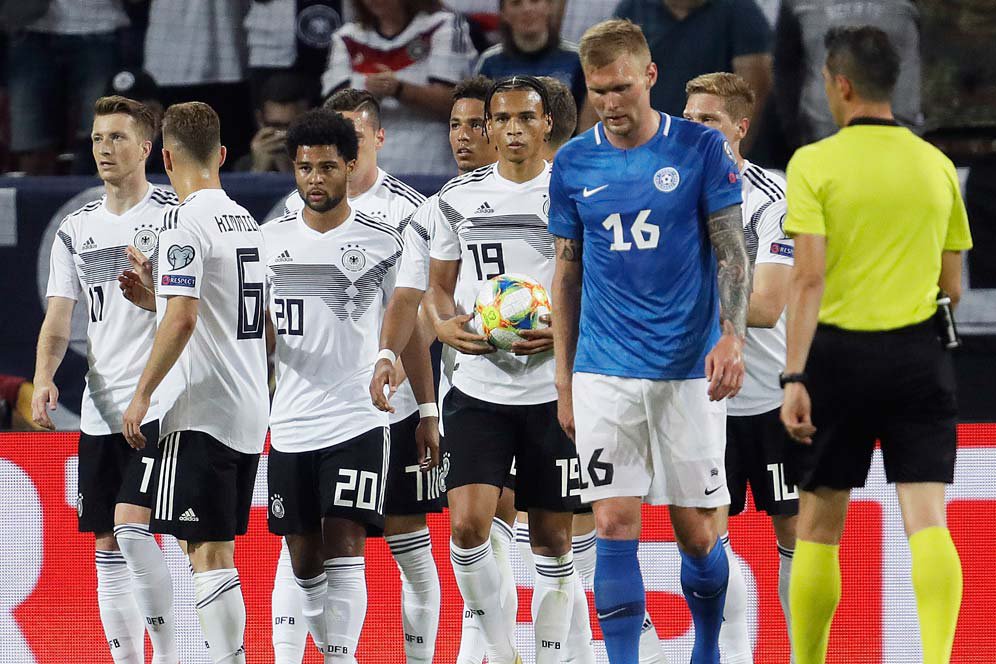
(323,127)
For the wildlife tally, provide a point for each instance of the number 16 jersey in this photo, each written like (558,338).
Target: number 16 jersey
(496,226)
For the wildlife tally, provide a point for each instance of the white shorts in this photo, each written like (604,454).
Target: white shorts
(662,441)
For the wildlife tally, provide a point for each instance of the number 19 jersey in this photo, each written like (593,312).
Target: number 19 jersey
(496,226)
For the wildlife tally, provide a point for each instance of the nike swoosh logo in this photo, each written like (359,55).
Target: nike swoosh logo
(603,616)
(709,492)
(591,192)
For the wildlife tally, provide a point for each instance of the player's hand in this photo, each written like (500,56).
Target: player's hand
(427,443)
(535,341)
(44,399)
(453,333)
(381,388)
(383,83)
(565,409)
(136,284)
(797,412)
(724,367)
(132,421)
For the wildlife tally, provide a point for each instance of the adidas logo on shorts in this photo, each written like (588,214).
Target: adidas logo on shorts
(88,245)
(284,257)
(189,516)
(484,209)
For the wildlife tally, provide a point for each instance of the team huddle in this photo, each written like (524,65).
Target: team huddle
(654,379)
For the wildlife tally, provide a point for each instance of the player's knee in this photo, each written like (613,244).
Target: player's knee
(697,542)
(469,531)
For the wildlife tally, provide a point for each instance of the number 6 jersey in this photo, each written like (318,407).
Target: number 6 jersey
(210,248)
(496,226)
(326,294)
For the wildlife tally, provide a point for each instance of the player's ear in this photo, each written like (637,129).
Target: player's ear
(651,74)
(549,128)
(350,168)
(146,149)
(222,154)
(167,160)
(379,139)
(743,127)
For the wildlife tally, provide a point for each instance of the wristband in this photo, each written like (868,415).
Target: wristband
(387,354)
(428,410)
(786,378)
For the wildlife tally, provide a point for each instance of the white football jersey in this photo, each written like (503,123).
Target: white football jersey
(764,351)
(211,248)
(327,295)
(496,226)
(392,202)
(414,270)
(88,255)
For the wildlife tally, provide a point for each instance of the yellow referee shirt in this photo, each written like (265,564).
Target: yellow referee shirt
(888,204)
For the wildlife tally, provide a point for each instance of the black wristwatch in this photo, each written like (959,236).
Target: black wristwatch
(786,378)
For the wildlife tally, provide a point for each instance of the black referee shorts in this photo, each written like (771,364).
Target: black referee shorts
(897,387)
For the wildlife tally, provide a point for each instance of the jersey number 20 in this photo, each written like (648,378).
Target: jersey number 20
(644,234)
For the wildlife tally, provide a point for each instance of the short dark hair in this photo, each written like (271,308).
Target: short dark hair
(518,83)
(866,57)
(475,87)
(195,127)
(286,88)
(136,110)
(563,110)
(412,8)
(354,101)
(321,126)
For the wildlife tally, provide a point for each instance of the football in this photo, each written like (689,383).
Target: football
(509,304)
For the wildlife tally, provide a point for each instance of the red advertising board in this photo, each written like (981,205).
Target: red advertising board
(48,609)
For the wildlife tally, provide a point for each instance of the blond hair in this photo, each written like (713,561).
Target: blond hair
(143,116)
(195,127)
(736,93)
(603,42)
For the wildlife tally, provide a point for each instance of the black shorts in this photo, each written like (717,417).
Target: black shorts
(346,481)
(509,484)
(897,387)
(409,490)
(203,488)
(483,438)
(110,472)
(756,449)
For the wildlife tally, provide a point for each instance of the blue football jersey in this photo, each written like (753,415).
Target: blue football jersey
(649,298)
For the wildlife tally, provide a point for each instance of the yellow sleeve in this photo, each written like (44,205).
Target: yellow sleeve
(805,209)
(958,237)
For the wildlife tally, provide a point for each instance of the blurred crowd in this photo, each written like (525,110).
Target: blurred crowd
(259,63)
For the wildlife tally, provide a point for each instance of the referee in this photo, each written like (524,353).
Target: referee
(879,228)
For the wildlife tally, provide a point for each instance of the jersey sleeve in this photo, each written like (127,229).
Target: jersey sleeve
(721,185)
(414,269)
(340,68)
(564,218)
(959,237)
(180,259)
(805,209)
(451,53)
(63,281)
(773,245)
(444,243)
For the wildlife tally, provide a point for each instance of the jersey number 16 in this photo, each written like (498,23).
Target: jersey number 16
(644,234)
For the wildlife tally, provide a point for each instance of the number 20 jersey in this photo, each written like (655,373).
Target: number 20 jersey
(649,297)
(326,294)
(496,226)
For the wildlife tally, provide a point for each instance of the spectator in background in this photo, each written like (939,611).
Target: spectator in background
(800,54)
(57,63)
(409,54)
(136,84)
(531,45)
(576,16)
(196,50)
(282,97)
(692,37)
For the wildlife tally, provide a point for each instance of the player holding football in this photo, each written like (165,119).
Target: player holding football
(502,405)
(647,208)
(89,253)
(755,438)
(208,350)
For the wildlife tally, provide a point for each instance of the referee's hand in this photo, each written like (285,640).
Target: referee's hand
(797,413)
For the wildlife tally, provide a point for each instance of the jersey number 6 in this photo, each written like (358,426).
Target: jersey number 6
(250,297)
(645,235)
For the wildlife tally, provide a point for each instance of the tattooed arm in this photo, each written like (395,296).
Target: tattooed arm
(724,364)
(566,296)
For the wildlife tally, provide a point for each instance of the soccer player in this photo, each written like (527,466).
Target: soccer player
(876,240)
(209,352)
(502,406)
(755,437)
(647,208)
(134,589)
(411,492)
(330,271)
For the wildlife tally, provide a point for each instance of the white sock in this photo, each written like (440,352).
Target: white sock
(472,646)
(290,630)
(525,548)
(553,604)
(579,649)
(152,586)
(477,576)
(222,613)
(784,573)
(502,537)
(583,547)
(420,593)
(734,640)
(123,623)
(345,607)
(651,651)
